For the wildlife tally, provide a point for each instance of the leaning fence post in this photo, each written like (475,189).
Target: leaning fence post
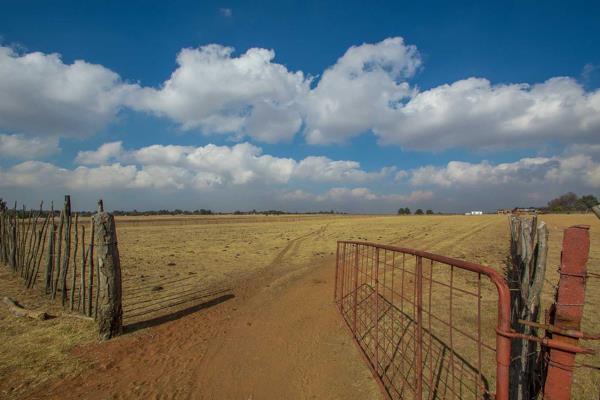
(568,310)
(109,307)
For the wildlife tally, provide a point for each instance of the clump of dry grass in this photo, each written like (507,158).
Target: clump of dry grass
(34,352)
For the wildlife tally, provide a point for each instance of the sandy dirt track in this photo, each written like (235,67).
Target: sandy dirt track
(276,336)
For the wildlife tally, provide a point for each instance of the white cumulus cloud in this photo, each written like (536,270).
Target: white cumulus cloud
(359,90)
(194,168)
(40,95)
(105,153)
(576,170)
(344,194)
(36,174)
(238,164)
(27,148)
(473,113)
(218,93)
(327,170)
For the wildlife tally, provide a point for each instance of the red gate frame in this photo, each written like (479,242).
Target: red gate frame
(503,330)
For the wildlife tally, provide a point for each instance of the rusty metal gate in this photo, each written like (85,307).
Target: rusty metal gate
(429,326)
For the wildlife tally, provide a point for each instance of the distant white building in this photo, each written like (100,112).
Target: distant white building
(474,213)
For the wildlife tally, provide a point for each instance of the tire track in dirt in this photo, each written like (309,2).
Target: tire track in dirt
(289,344)
(430,240)
(165,362)
(417,236)
(289,340)
(464,236)
(293,246)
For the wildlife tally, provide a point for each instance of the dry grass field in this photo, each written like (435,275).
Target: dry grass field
(233,293)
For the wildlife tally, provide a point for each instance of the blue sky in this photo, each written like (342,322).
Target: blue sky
(299,105)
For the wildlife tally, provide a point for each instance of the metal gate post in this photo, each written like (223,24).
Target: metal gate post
(355,288)
(419,333)
(377,309)
(337,268)
(568,310)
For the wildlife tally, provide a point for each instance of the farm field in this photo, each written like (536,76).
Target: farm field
(241,307)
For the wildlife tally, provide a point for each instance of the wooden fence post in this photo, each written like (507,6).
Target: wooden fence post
(13,253)
(50,258)
(596,210)
(525,275)
(2,239)
(67,251)
(108,307)
(58,250)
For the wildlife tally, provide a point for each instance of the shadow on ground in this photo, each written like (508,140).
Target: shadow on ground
(155,320)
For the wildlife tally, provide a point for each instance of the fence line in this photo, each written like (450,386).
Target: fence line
(57,259)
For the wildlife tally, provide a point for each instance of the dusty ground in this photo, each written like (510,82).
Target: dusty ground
(240,308)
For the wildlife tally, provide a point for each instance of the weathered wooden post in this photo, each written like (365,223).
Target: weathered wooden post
(84,255)
(50,253)
(596,210)
(67,251)
(74,273)
(91,274)
(59,240)
(13,249)
(3,234)
(525,275)
(109,307)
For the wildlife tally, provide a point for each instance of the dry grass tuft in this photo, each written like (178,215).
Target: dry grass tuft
(33,352)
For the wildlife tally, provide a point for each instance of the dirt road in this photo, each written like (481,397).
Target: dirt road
(277,336)
(288,343)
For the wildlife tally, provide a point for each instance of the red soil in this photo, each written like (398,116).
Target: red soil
(279,337)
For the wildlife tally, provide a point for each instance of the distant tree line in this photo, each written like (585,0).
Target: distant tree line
(203,211)
(279,212)
(419,211)
(177,211)
(570,202)
(22,214)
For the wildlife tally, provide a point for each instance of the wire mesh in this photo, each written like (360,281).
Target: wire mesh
(425,323)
